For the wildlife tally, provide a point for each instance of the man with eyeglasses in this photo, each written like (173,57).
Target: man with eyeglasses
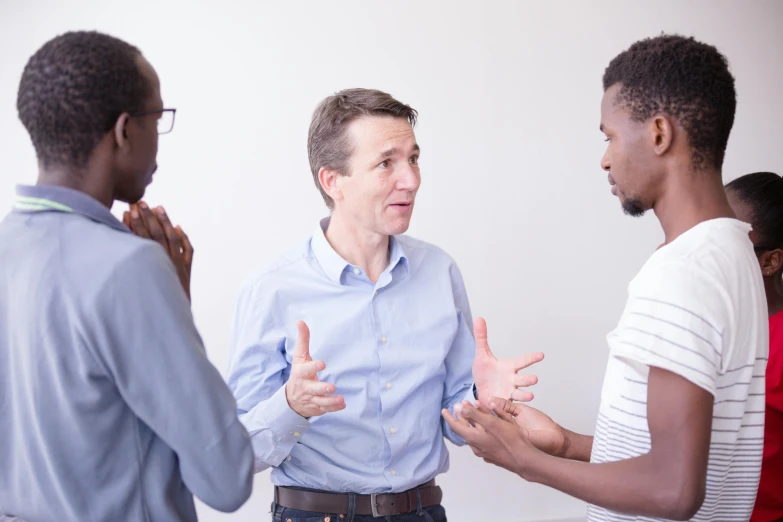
(110,407)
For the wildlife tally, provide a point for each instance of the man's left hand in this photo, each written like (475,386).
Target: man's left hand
(499,378)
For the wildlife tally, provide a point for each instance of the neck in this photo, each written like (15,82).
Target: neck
(360,247)
(74,178)
(773,285)
(691,198)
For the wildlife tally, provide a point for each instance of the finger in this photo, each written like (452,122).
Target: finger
(459,426)
(333,401)
(520,363)
(480,333)
(137,223)
(476,417)
(504,407)
(331,408)
(126,219)
(153,225)
(302,349)
(187,248)
(521,381)
(317,388)
(172,237)
(522,396)
(307,370)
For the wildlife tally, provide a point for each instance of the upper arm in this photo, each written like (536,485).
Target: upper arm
(258,366)
(145,337)
(459,360)
(679,415)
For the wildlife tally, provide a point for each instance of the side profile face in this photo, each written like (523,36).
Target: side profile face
(137,142)
(635,170)
(379,192)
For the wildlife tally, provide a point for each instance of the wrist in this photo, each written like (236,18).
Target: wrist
(530,467)
(566,446)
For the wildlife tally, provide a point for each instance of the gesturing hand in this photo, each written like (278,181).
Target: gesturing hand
(306,395)
(499,378)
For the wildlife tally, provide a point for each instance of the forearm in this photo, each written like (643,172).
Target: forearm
(577,446)
(636,486)
(274,430)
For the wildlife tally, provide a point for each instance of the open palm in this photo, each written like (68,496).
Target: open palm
(500,378)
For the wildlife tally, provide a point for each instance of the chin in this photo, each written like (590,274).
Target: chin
(398,227)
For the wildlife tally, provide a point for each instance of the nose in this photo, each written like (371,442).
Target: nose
(410,178)
(605,163)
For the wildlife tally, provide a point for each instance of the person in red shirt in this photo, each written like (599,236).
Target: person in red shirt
(758,199)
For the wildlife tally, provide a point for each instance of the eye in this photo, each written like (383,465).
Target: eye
(385,164)
(414,160)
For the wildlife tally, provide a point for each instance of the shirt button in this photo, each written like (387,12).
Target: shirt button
(394,472)
(393,431)
(357,271)
(289,458)
(383,339)
(296,434)
(388,386)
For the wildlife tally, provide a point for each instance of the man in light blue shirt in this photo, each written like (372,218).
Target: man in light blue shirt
(110,409)
(350,418)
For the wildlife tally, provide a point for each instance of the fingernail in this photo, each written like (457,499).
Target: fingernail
(161,211)
(143,205)
(135,214)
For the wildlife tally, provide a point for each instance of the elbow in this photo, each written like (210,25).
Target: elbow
(683,499)
(230,499)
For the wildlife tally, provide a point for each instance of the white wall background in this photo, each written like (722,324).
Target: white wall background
(508,94)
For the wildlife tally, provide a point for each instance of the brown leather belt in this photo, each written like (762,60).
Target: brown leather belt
(377,504)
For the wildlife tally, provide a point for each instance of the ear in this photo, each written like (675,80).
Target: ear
(121,131)
(771,262)
(330,182)
(662,133)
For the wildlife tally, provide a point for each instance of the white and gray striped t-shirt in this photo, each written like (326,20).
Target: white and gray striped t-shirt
(697,308)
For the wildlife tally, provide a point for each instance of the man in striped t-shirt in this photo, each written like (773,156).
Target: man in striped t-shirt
(680,427)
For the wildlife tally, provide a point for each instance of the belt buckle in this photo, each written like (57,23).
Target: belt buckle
(374,505)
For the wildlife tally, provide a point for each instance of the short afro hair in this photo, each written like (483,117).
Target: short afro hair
(72,91)
(684,79)
(763,193)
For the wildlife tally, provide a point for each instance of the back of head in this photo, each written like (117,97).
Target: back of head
(72,91)
(762,192)
(684,79)
(328,144)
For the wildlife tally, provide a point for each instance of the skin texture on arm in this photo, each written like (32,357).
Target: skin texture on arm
(669,481)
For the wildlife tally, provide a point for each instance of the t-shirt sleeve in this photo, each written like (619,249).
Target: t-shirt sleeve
(676,319)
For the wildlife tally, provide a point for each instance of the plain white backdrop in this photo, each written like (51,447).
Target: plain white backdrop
(508,94)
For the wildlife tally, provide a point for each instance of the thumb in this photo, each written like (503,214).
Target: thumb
(505,408)
(302,349)
(480,333)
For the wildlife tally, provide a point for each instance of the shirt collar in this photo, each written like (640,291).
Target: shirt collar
(50,198)
(334,265)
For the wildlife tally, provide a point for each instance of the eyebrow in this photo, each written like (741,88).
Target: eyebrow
(394,150)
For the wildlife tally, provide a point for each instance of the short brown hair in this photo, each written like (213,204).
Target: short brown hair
(328,144)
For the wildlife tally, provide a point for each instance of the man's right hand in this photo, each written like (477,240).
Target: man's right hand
(544,433)
(306,395)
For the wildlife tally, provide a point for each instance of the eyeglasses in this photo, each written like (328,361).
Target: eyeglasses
(166,120)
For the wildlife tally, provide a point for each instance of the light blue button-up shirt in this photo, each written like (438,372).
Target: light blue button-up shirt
(109,407)
(398,350)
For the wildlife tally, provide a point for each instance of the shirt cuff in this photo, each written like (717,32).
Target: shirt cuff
(286,425)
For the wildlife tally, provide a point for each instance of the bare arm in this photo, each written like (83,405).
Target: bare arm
(668,482)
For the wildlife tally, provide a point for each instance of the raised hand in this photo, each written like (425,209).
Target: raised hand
(499,378)
(155,225)
(306,395)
